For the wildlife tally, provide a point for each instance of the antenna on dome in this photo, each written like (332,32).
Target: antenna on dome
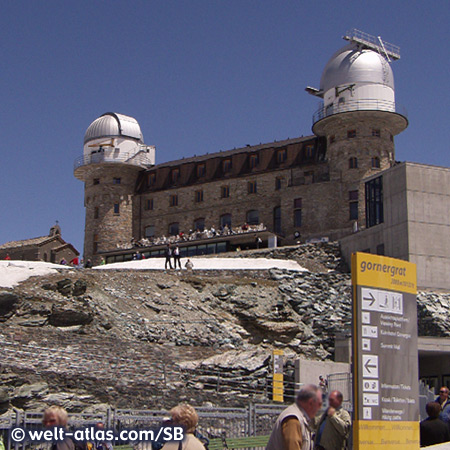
(366,40)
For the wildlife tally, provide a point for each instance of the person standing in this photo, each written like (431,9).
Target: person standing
(292,430)
(433,430)
(444,401)
(333,429)
(176,257)
(55,416)
(168,255)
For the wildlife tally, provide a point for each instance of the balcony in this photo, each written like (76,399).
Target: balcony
(141,159)
(359,105)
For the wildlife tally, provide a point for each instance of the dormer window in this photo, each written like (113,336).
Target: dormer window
(226,165)
(175,175)
(254,160)
(281,156)
(151,178)
(201,170)
(309,150)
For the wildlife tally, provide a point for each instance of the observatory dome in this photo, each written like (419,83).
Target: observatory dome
(114,125)
(354,65)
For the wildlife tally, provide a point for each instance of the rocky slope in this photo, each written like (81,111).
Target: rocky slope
(150,339)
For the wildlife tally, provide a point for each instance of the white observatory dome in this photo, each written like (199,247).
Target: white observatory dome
(114,125)
(353,65)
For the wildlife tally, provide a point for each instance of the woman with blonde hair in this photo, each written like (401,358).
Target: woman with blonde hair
(184,415)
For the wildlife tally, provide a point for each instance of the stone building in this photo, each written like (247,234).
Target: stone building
(52,248)
(300,189)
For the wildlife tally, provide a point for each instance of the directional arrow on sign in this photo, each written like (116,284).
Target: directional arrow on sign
(371,299)
(369,366)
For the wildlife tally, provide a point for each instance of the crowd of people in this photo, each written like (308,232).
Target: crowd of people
(301,426)
(206,233)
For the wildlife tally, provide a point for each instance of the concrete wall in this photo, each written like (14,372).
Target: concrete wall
(416,228)
(307,371)
(428,199)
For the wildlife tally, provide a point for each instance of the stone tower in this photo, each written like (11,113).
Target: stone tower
(114,152)
(358,116)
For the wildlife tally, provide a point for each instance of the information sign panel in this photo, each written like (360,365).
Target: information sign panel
(278,391)
(385,363)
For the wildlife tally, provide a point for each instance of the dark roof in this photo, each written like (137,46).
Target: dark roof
(27,242)
(226,153)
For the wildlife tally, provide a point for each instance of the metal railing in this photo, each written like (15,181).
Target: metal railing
(137,159)
(252,420)
(358,105)
(373,42)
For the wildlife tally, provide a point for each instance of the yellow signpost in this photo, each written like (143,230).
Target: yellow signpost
(385,361)
(278,392)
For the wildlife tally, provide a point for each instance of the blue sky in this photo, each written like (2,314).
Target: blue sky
(199,76)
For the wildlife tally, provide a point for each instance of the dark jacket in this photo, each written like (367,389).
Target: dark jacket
(433,431)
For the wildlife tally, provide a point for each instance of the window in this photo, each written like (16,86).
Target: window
(297,217)
(149,231)
(201,170)
(278,183)
(95,244)
(253,217)
(174,229)
(199,224)
(309,151)
(225,191)
(353,163)
(254,160)
(351,134)
(173,200)
(298,212)
(251,187)
(96,210)
(148,206)
(374,202)
(225,219)
(277,219)
(96,181)
(151,178)
(226,165)
(332,139)
(375,162)
(116,208)
(175,175)
(353,204)
(117,180)
(198,196)
(375,133)
(281,156)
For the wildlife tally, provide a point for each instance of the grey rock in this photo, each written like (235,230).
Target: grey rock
(79,288)
(8,304)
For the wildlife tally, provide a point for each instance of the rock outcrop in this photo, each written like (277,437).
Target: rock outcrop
(151,339)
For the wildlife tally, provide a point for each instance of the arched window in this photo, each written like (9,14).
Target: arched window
(376,162)
(225,219)
(253,217)
(174,229)
(199,224)
(353,163)
(277,219)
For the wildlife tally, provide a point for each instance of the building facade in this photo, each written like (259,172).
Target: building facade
(408,218)
(52,248)
(300,189)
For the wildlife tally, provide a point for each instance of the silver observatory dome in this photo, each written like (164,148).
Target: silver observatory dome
(111,125)
(353,65)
